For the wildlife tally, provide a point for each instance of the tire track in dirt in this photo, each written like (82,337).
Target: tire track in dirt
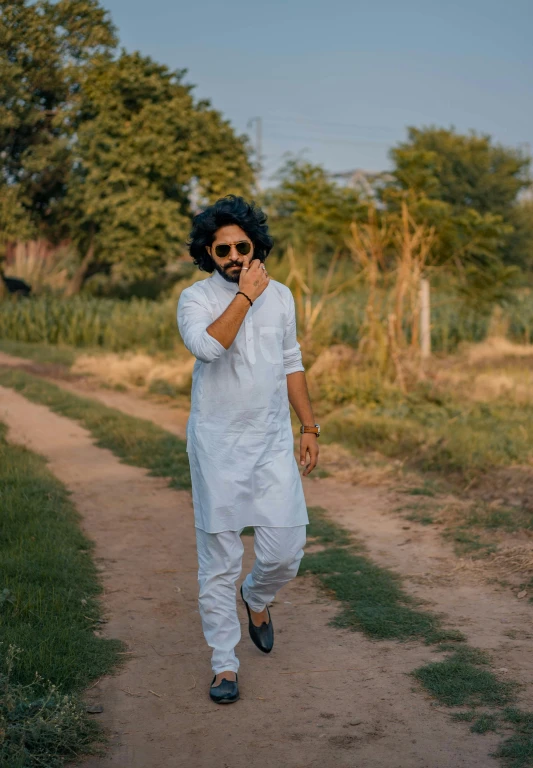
(324,698)
(490,615)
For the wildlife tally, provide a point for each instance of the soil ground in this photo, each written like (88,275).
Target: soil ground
(324,697)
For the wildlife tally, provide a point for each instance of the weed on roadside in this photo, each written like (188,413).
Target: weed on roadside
(39,725)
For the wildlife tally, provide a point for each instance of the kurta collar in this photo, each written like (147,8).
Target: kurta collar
(219,280)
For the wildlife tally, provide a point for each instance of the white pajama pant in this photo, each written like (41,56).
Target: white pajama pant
(278,552)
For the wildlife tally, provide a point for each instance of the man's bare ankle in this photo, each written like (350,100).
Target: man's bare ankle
(228,675)
(260,617)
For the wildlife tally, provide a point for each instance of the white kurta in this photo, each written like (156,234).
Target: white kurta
(239,436)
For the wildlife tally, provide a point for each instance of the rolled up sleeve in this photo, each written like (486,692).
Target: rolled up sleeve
(292,356)
(194,316)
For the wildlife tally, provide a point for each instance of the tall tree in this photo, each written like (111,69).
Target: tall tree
(45,47)
(144,148)
(308,208)
(459,182)
(109,151)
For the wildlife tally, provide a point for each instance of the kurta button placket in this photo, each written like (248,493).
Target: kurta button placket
(250,338)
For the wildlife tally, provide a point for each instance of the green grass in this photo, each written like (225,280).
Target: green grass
(517,750)
(421,512)
(467,543)
(371,597)
(418,516)
(432,432)
(41,353)
(463,679)
(48,611)
(426,489)
(509,519)
(135,441)
(485,723)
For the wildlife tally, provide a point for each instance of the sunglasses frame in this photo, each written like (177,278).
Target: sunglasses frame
(229,245)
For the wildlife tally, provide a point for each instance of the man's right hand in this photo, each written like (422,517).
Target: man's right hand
(253,278)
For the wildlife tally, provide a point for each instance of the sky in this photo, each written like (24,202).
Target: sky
(339,81)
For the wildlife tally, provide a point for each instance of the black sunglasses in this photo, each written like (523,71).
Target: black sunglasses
(223,249)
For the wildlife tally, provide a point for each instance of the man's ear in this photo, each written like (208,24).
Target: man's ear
(208,249)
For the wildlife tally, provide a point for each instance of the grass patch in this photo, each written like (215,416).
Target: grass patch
(508,519)
(163,387)
(427,489)
(419,514)
(420,517)
(517,750)
(48,611)
(135,441)
(371,597)
(465,542)
(322,530)
(41,353)
(485,723)
(434,432)
(464,680)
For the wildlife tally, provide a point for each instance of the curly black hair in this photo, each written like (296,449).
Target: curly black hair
(228,210)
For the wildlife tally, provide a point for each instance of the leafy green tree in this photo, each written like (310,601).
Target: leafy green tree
(463,184)
(308,209)
(108,151)
(44,48)
(144,148)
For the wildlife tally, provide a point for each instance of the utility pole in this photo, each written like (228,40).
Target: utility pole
(258,151)
(425,319)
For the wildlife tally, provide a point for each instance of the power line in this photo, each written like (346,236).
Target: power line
(258,121)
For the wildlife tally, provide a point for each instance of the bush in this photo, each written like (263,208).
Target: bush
(39,726)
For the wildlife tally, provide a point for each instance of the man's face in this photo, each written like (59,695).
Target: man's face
(229,266)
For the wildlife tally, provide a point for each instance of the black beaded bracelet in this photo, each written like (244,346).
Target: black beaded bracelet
(245,296)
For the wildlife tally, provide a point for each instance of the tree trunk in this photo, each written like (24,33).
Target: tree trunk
(76,283)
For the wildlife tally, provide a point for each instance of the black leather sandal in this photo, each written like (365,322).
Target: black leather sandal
(226,692)
(263,636)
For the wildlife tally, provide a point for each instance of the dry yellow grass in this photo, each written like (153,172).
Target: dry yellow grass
(135,370)
(496,368)
(496,348)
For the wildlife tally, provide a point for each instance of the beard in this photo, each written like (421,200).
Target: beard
(230,277)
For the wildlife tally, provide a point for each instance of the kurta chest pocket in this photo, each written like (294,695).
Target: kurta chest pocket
(271,343)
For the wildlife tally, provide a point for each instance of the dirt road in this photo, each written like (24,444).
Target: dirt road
(324,697)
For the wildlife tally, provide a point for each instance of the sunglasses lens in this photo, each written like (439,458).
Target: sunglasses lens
(222,250)
(243,248)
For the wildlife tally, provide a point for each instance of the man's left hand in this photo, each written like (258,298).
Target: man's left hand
(308,452)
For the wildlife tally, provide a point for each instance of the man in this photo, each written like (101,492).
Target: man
(240,325)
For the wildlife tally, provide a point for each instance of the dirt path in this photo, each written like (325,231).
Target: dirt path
(323,699)
(172,419)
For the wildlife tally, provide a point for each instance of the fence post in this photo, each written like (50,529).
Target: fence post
(425,319)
